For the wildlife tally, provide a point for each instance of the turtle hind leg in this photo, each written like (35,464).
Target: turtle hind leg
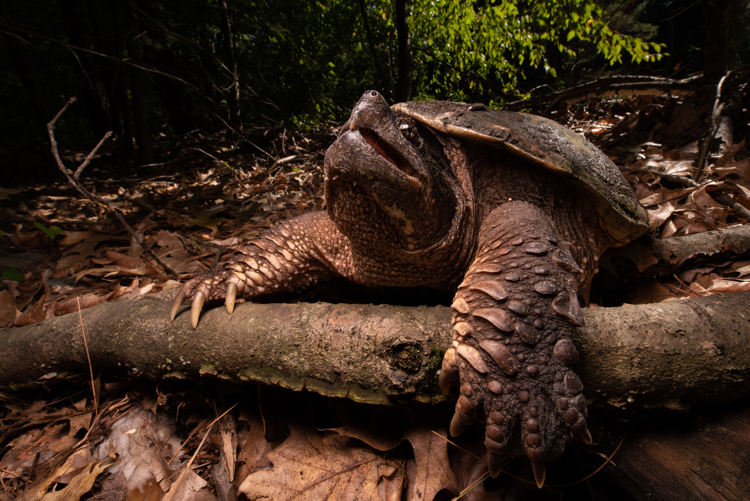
(513,317)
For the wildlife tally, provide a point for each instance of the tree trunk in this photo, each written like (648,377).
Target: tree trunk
(93,89)
(404,77)
(385,90)
(234,100)
(720,28)
(123,122)
(15,50)
(665,354)
(138,88)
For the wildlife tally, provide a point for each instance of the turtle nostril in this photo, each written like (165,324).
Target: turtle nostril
(374,93)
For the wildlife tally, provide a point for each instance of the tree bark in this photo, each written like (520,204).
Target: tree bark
(138,87)
(385,90)
(666,257)
(721,21)
(404,77)
(21,65)
(234,99)
(93,90)
(666,354)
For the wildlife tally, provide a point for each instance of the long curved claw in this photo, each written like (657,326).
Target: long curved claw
(540,472)
(585,435)
(231,296)
(176,304)
(494,464)
(195,309)
(448,371)
(457,426)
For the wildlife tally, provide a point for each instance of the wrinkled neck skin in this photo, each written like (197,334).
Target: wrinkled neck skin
(397,200)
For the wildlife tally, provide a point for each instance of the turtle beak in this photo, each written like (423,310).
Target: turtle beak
(370,107)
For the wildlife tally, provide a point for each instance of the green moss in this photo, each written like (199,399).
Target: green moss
(407,357)
(436,358)
(207,369)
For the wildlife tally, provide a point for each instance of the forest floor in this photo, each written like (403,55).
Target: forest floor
(60,251)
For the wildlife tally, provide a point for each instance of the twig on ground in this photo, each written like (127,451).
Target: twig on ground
(74,180)
(725,199)
(700,167)
(88,358)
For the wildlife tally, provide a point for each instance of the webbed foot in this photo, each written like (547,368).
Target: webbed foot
(513,316)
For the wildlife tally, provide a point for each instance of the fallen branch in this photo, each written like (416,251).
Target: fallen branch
(685,351)
(665,257)
(624,85)
(701,170)
(74,180)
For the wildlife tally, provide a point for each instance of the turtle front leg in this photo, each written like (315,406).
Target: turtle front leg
(513,317)
(292,255)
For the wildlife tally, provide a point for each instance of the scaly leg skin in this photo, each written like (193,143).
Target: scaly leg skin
(292,255)
(513,316)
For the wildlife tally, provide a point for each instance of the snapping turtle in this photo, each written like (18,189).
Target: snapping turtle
(510,210)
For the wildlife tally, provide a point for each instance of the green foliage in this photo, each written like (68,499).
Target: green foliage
(300,63)
(467,44)
(52,232)
(13,274)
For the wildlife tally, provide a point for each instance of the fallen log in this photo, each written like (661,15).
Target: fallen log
(667,354)
(656,257)
(620,85)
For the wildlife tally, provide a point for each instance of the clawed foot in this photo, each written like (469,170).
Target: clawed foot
(222,284)
(281,259)
(513,316)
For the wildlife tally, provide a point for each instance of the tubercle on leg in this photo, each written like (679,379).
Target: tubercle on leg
(282,258)
(513,315)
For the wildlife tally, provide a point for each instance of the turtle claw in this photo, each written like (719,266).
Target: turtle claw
(195,309)
(585,435)
(540,472)
(449,371)
(177,304)
(494,464)
(231,296)
(457,425)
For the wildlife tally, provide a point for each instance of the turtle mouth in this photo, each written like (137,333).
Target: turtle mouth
(388,152)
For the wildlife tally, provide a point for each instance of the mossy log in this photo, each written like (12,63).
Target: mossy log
(668,354)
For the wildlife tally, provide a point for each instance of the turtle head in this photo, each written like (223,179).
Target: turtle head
(388,178)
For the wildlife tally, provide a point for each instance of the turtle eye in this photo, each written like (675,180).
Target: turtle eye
(408,129)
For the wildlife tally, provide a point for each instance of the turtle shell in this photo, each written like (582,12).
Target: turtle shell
(547,144)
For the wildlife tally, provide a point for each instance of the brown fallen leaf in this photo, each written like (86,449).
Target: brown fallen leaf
(432,472)
(87,301)
(7,308)
(311,466)
(78,486)
(253,454)
(80,253)
(32,315)
(657,217)
(729,286)
(36,446)
(433,468)
(203,217)
(74,237)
